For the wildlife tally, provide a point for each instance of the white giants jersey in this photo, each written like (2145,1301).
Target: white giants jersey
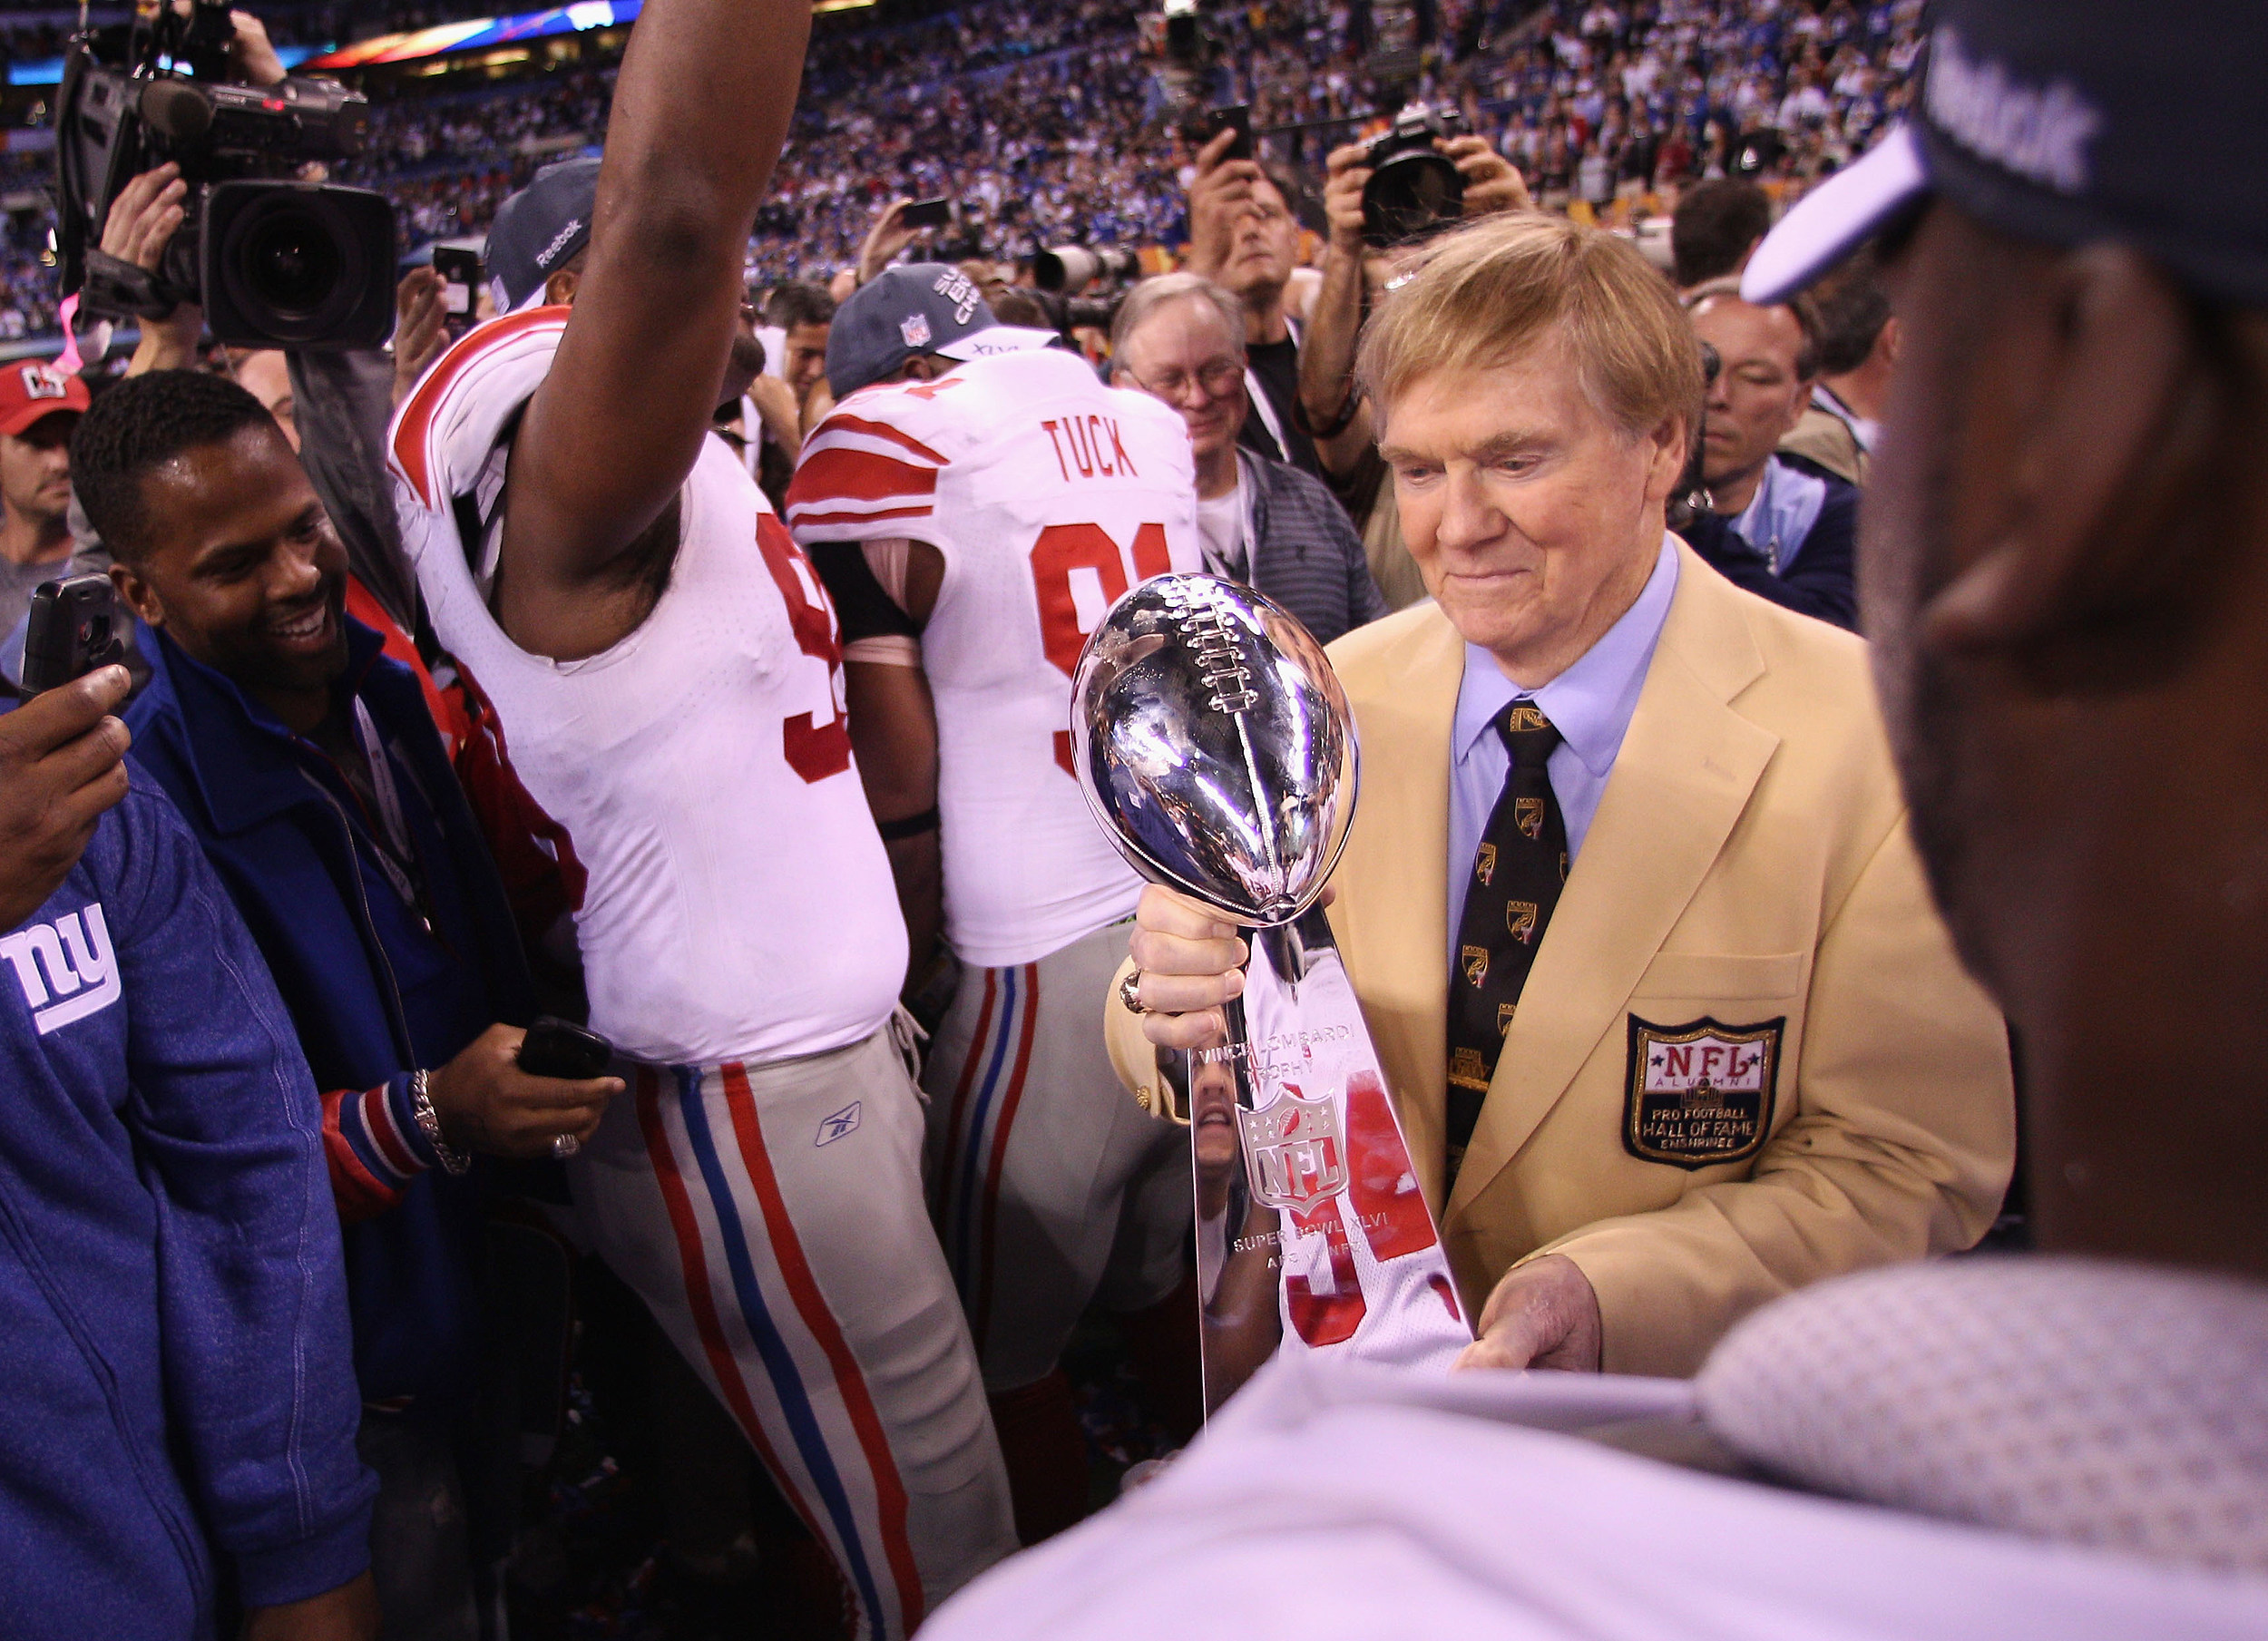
(736,903)
(1048,495)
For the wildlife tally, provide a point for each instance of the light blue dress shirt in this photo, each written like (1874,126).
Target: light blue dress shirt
(1590,704)
(1779,517)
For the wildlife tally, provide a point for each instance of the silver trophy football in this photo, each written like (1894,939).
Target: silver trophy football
(1214,745)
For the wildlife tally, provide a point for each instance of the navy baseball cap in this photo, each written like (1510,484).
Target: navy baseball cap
(2068,124)
(915,308)
(539,230)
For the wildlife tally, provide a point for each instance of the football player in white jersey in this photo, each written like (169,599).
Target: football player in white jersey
(977,507)
(662,669)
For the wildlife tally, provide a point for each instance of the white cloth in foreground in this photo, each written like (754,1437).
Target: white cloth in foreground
(1332,1499)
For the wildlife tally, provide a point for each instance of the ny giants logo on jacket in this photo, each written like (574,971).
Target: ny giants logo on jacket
(66,968)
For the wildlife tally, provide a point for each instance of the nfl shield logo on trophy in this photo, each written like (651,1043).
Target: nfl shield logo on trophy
(1294,1153)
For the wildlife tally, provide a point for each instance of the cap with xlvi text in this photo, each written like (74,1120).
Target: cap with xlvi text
(2068,124)
(914,308)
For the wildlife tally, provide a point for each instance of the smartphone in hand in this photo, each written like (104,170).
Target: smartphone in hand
(73,629)
(560,1048)
(926,213)
(461,275)
(1237,117)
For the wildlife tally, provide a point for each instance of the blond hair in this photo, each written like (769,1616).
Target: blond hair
(1492,289)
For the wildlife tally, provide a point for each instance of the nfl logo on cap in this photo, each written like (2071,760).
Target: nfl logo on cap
(915,328)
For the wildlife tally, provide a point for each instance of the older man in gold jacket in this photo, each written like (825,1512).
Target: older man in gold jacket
(1629,900)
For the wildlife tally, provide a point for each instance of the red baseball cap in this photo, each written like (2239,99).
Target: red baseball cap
(32,388)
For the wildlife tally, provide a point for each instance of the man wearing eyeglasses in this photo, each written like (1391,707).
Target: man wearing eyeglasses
(1264,523)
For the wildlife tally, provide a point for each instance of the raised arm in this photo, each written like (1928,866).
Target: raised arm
(1335,322)
(700,110)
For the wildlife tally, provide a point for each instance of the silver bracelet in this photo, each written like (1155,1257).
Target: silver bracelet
(428,1122)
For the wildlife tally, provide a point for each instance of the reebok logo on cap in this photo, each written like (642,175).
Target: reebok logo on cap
(2039,134)
(560,241)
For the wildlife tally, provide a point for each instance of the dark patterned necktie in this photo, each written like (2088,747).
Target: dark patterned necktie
(1516,873)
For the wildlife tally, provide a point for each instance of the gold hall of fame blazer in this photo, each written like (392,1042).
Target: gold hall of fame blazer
(1748,886)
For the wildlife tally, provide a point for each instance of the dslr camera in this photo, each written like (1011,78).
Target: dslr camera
(274,262)
(1412,190)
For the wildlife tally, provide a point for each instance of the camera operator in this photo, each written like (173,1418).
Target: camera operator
(1243,236)
(1778,524)
(140,224)
(309,768)
(148,211)
(342,397)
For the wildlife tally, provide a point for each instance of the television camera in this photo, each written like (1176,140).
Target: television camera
(273,260)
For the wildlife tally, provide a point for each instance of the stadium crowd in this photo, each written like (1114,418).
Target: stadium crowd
(1041,121)
(580,1065)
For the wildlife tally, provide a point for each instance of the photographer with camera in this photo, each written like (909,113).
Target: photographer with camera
(149,209)
(1362,232)
(1776,523)
(1365,233)
(302,271)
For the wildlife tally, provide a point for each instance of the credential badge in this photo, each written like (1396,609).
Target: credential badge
(1700,1094)
(1294,1153)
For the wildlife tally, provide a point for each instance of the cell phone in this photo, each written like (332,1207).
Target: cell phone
(73,629)
(461,276)
(1236,117)
(926,213)
(560,1048)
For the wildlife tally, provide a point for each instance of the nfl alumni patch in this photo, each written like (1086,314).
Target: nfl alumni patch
(1700,1094)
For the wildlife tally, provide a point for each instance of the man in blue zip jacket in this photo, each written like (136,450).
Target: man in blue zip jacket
(177,1413)
(308,767)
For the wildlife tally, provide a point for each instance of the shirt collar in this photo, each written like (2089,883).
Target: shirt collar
(1780,515)
(1591,703)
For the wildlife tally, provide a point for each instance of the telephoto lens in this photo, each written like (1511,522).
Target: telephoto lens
(1071,268)
(297,264)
